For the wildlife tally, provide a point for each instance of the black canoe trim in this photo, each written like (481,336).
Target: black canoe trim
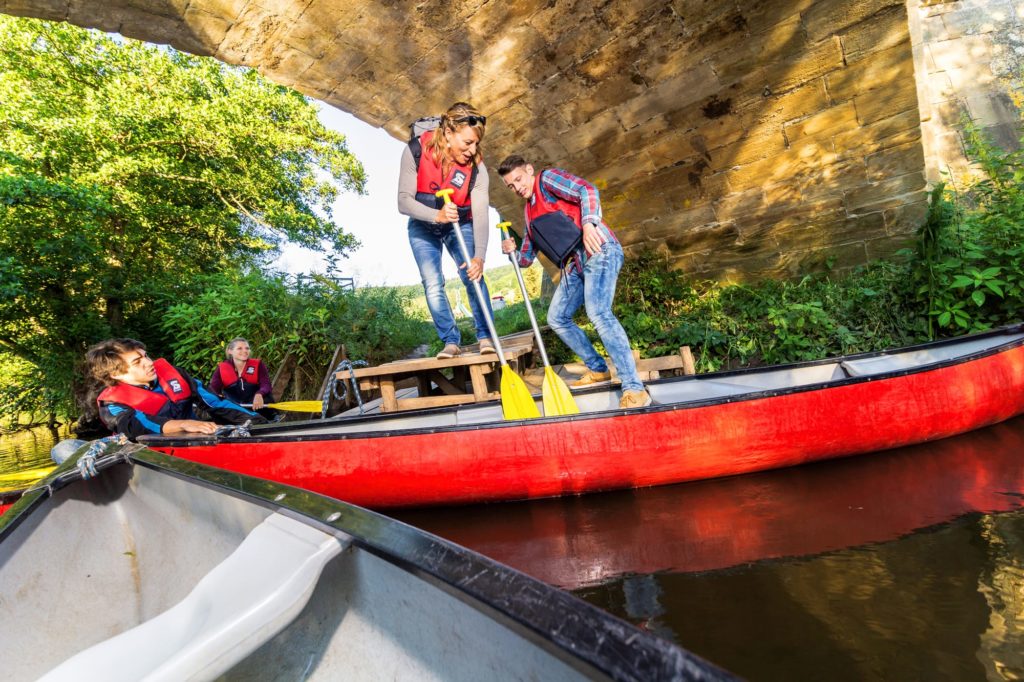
(279,433)
(601,644)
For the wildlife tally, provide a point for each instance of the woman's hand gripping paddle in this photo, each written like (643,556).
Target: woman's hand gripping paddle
(557,398)
(516,401)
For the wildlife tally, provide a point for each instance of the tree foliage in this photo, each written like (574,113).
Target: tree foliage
(126,170)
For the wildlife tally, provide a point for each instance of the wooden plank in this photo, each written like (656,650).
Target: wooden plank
(339,352)
(447,387)
(419,364)
(660,364)
(479,383)
(441,401)
(387,394)
(688,365)
(283,375)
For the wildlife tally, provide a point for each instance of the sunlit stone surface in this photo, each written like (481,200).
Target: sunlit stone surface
(744,140)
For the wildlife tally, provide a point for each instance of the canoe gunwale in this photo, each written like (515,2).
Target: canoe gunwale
(593,642)
(280,433)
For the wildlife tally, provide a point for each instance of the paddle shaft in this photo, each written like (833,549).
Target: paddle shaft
(484,307)
(526,299)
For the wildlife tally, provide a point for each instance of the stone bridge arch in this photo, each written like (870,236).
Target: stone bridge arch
(744,140)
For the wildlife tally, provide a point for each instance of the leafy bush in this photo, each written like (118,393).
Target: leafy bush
(306,322)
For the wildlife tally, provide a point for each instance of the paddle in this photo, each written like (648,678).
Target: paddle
(294,406)
(557,398)
(516,401)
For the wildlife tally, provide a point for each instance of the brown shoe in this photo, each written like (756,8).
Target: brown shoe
(639,398)
(450,350)
(592,378)
(486,346)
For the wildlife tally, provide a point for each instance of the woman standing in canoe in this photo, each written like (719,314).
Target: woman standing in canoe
(241,378)
(448,157)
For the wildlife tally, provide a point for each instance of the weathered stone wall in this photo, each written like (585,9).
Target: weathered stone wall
(969,56)
(752,139)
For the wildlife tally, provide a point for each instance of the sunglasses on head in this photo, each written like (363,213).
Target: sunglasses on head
(472,119)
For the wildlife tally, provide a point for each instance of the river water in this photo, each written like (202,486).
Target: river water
(903,565)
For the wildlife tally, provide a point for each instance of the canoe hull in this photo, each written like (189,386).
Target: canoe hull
(655,446)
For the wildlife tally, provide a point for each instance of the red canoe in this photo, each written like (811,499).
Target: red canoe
(699,427)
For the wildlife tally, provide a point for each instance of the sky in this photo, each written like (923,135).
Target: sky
(385,257)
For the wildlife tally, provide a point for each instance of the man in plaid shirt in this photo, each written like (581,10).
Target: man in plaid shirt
(563,221)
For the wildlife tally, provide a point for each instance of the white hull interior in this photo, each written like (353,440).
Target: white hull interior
(102,558)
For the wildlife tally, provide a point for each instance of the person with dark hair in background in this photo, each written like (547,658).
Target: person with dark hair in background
(153,396)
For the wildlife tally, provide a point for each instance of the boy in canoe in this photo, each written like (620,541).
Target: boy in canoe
(152,396)
(563,221)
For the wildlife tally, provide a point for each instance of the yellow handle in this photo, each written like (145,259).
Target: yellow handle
(446,193)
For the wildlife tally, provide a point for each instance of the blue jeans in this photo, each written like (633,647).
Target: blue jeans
(426,240)
(595,289)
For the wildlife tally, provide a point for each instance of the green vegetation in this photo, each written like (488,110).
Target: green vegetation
(306,322)
(126,173)
(964,273)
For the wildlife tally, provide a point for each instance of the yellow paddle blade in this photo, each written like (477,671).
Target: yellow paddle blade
(516,401)
(557,398)
(298,406)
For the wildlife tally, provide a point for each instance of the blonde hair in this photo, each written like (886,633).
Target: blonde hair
(438,147)
(232,343)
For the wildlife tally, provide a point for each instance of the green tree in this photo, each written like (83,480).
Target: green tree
(126,170)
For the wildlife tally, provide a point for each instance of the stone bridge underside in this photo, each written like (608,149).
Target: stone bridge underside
(743,139)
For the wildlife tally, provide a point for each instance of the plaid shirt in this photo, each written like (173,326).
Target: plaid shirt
(557,183)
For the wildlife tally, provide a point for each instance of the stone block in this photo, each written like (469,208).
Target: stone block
(972,78)
(961,53)
(747,150)
(832,121)
(885,194)
(840,257)
(603,127)
(990,17)
(798,103)
(876,105)
(700,238)
(796,166)
(816,61)
(905,219)
(882,31)
(895,161)
(51,10)
(834,179)
(886,247)
(695,84)
(83,13)
(939,87)
(883,69)
(933,30)
(992,109)
(828,17)
(740,205)
(607,93)
(700,218)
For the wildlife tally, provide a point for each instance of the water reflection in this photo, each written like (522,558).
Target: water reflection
(25,455)
(904,565)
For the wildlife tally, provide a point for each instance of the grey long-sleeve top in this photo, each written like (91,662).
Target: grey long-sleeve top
(479,200)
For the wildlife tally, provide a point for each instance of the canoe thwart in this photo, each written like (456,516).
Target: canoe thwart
(239,605)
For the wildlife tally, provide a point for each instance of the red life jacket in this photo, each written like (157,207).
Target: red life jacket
(176,390)
(429,180)
(541,206)
(250,373)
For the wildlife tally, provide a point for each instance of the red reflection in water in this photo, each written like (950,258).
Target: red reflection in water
(573,542)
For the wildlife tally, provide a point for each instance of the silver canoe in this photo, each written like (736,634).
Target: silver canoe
(161,569)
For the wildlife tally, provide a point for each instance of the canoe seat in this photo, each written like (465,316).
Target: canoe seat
(236,607)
